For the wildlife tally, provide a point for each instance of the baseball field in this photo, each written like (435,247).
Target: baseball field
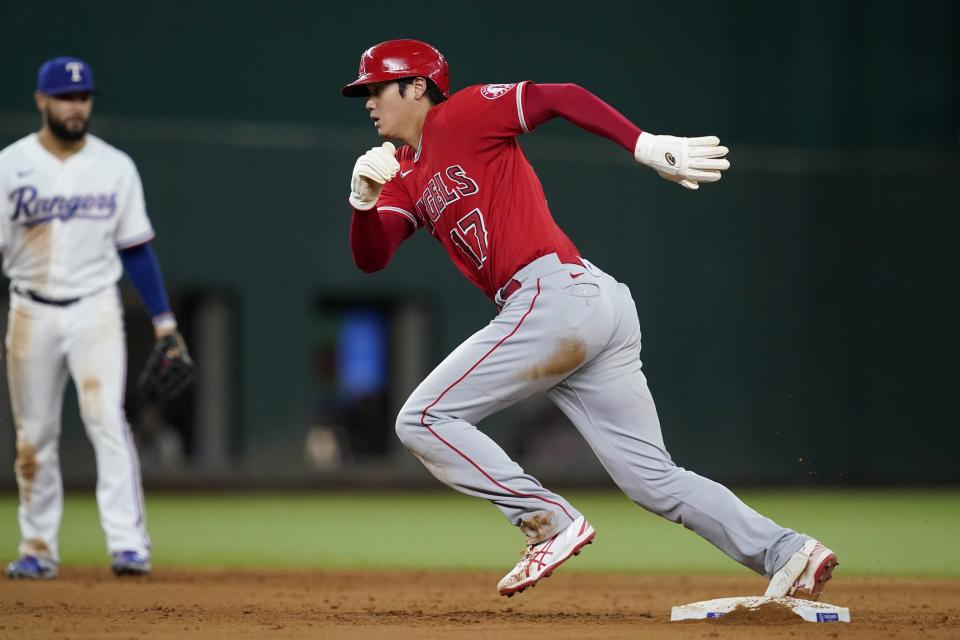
(425,565)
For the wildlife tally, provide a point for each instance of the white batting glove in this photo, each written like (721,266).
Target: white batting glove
(687,161)
(372,171)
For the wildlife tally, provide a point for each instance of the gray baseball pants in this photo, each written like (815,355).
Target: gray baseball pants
(573,333)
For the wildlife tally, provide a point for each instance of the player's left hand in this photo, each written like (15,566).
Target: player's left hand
(687,161)
(169,369)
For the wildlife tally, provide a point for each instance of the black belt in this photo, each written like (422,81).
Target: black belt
(36,297)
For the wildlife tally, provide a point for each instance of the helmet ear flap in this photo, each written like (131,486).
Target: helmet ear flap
(395,59)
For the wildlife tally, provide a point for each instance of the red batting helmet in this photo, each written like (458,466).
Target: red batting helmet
(395,59)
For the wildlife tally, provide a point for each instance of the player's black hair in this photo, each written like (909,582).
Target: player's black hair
(433,91)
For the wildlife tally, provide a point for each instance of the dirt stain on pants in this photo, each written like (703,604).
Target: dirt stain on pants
(36,547)
(90,401)
(567,356)
(26,469)
(538,527)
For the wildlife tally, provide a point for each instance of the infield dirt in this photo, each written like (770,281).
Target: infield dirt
(179,603)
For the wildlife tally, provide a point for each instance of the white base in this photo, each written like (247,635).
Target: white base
(807,609)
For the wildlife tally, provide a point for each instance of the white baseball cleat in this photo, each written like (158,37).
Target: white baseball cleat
(805,574)
(32,568)
(541,559)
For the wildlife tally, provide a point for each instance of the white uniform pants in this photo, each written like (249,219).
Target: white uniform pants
(573,333)
(86,340)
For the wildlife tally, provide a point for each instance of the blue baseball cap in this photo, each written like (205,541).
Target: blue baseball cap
(65,74)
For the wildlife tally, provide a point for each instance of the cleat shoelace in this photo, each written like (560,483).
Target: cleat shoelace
(533,556)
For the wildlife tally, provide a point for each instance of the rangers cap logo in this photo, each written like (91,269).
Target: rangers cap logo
(74,67)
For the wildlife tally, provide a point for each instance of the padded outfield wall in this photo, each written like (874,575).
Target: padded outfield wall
(799,318)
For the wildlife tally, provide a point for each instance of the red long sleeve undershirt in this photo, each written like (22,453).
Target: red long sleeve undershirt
(375,238)
(573,103)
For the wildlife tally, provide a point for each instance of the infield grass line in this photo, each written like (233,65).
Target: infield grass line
(875,532)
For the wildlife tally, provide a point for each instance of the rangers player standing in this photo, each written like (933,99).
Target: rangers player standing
(72,219)
(564,327)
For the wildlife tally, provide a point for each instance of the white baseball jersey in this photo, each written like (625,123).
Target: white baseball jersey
(62,221)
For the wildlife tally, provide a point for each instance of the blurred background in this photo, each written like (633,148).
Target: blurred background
(800,318)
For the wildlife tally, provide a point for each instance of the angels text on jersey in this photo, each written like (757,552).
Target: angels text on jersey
(442,190)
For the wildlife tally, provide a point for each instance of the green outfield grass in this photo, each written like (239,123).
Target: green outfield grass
(876,532)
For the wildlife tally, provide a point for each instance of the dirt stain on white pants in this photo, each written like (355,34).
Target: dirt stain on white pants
(26,469)
(26,461)
(567,356)
(36,547)
(538,527)
(90,401)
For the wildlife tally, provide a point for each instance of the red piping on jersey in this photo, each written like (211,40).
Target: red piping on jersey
(423,415)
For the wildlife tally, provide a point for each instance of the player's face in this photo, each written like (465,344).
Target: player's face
(391,112)
(67,115)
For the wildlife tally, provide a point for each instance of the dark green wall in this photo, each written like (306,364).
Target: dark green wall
(818,73)
(804,308)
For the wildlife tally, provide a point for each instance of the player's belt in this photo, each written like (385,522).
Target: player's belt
(511,287)
(36,297)
(506,291)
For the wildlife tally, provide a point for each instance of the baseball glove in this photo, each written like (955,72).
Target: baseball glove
(169,369)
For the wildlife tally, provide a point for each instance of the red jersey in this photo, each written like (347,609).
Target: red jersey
(471,186)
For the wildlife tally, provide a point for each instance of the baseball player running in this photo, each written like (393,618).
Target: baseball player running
(72,219)
(565,327)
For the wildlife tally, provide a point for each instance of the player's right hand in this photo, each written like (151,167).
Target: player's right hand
(687,161)
(372,170)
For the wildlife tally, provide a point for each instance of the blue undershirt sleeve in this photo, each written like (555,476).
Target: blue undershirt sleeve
(140,263)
